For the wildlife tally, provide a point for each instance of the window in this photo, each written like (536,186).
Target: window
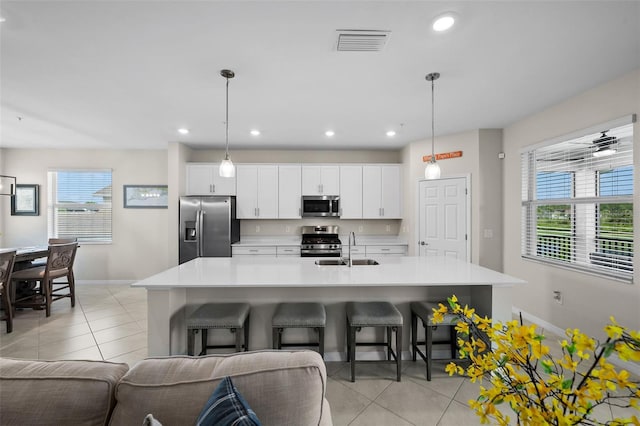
(79,205)
(577,201)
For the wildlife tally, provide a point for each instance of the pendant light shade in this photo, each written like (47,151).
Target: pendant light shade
(432,171)
(227,169)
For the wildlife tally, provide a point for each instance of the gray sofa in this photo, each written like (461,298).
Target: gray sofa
(282,387)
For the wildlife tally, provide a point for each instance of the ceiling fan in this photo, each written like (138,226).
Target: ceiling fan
(605,145)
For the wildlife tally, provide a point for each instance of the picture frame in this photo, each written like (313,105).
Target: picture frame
(145,196)
(26,201)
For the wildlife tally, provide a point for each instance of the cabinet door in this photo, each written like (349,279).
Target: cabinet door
(199,179)
(351,192)
(222,185)
(267,192)
(311,180)
(391,194)
(289,192)
(246,192)
(371,192)
(330,180)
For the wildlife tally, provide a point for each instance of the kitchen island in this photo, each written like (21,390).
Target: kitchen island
(265,281)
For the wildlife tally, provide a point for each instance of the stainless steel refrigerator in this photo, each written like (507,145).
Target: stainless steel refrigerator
(208,227)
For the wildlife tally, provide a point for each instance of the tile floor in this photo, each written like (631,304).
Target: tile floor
(109,323)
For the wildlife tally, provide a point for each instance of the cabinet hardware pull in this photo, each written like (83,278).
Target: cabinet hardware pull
(213,187)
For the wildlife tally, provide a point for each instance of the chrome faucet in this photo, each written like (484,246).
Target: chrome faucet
(352,234)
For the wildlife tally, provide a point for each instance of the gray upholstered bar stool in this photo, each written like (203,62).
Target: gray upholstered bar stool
(374,314)
(299,315)
(424,311)
(231,316)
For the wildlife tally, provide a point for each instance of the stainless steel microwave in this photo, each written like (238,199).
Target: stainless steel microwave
(320,206)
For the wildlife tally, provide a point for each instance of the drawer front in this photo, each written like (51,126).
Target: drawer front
(392,250)
(254,251)
(288,250)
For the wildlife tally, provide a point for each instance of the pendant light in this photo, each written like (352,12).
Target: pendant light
(227,169)
(432,171)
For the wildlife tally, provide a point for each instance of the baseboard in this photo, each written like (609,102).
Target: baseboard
(631,367)
(104,282)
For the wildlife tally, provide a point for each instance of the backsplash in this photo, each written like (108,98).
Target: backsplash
(280,227)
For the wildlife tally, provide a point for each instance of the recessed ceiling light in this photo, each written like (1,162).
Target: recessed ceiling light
(329,133)
(391,133)
(2,19)
(444,22)
(183,131)
(255,132)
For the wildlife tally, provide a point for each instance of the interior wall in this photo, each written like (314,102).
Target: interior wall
(588,300)
(139,246)
(4,202)
(489,200)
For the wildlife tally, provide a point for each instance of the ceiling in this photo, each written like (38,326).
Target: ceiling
(127,74)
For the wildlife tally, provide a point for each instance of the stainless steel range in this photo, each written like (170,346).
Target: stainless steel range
(320,241)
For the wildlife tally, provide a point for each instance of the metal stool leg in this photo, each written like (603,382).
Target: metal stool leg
(414,335)
(204,340)
(428,339)
(348,329)
(321,341)
(352,351)
(238,339)
(191,337)
(399,351)
(246,328)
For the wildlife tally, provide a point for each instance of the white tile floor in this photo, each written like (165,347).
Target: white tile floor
(109,323)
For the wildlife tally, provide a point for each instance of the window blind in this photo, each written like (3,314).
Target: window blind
(577,204)
(79,205)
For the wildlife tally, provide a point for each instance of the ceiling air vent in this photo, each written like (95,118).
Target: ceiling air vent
(361,40)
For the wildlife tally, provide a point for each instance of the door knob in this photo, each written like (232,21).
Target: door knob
(422,243)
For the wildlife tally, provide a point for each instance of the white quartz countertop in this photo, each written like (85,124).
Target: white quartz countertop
(271,272)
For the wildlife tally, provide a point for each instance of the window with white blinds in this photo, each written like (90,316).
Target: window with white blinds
(79,205)
(577,201)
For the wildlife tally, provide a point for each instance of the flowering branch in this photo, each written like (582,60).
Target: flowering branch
(538,388)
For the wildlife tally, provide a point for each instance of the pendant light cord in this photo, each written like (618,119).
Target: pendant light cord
(226,122)
(433,133)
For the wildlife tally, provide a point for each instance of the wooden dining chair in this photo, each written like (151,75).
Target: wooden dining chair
(7,260)
(60,258)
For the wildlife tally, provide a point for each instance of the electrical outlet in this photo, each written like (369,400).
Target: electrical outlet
(360,228)
(257,229)
(557,296)
(388,228)
(404,229)
(287,229)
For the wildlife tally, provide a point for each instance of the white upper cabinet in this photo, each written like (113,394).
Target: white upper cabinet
(351,192)
(320,180)
(289,191)
(205,179)
(381,192)
(257,191)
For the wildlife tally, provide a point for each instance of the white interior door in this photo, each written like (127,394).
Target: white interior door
(444,209)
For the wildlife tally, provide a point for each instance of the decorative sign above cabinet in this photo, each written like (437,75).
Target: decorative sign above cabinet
(443,156)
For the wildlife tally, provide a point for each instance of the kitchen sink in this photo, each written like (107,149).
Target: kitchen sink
(342,262)
(355,262)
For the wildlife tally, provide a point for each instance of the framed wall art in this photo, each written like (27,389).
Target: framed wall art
(145,196)
(26,201)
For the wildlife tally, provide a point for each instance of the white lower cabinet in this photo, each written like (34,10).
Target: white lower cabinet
(254,251)
(288,251)
(393,250)
(356,252)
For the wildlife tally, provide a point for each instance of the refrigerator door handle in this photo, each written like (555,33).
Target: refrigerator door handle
(198,232)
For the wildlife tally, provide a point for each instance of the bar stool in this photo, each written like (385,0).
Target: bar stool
(374,314)
(231,316)
(299,315)
(424,311)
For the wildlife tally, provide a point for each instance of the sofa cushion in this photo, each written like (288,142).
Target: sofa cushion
(282,387)
(58,392)
(227,407)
